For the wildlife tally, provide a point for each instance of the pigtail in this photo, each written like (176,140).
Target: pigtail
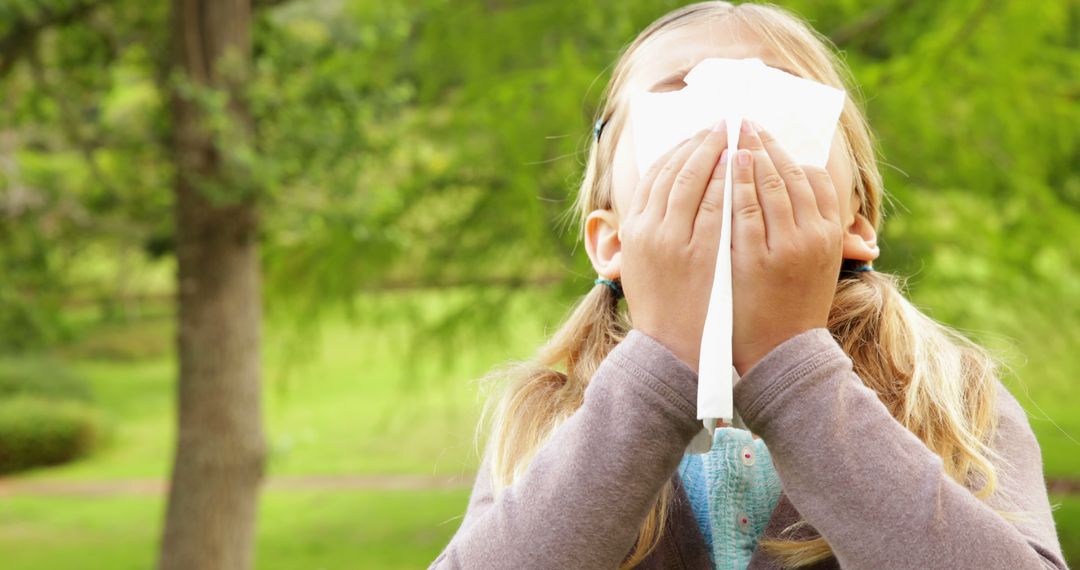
(592,329)
(545,390)
(937,383)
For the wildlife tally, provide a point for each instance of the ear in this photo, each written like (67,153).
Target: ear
(860,239)
(602,243)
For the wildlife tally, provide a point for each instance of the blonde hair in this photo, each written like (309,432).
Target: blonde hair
(938,384)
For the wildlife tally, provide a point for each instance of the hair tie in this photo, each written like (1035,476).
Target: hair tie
(615,286)
(846,267)
(599,126)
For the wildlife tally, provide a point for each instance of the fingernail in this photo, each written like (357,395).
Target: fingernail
(745,128)
(723,157)
(743,157)
(719,126)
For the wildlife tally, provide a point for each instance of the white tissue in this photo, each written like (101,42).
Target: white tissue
(800,114)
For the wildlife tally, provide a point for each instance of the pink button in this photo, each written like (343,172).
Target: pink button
(746,454)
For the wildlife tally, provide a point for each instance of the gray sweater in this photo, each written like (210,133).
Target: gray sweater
(868,485)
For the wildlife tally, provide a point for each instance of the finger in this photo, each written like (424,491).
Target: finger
(800,193)
(748,230)
(709,219)
(641,193)
(772,191)
(658,196)
(693,180)
(828,202)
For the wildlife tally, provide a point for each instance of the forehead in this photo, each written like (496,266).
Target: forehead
(681,48)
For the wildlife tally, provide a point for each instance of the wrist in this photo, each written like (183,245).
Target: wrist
(751,354)
(682,349)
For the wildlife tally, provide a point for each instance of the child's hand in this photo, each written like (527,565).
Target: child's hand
(787,245)
(670,237)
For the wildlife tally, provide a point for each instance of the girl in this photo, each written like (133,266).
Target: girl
(896,443)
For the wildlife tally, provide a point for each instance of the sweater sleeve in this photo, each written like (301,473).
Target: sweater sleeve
(582,498)
(871,488)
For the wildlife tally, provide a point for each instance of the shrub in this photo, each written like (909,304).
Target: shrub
(41,377)
(35,432)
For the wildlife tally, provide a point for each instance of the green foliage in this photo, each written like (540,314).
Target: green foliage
(402,145)
(81,167)
(46,414)
(37,432)
(432,142)
(146,338)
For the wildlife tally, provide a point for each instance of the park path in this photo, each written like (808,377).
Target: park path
(128,487)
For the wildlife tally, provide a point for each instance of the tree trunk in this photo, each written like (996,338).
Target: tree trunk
(220,451)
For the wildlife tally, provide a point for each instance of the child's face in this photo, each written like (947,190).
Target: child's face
(662,65)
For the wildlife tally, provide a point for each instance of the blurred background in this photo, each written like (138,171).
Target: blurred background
(381,219)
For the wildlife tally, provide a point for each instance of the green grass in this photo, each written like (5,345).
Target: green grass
(339,404)
(356,530)
(345,406)
(297,530)
(344,403)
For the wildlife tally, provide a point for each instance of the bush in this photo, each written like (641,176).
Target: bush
(132,340)
(36,432)
(43,378)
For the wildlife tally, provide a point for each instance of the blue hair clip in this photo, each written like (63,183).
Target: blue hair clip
(597,128)
(866,267)
(615,286)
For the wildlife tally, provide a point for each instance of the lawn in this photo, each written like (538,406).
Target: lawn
(342,403)
(297,529)
(338,402)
